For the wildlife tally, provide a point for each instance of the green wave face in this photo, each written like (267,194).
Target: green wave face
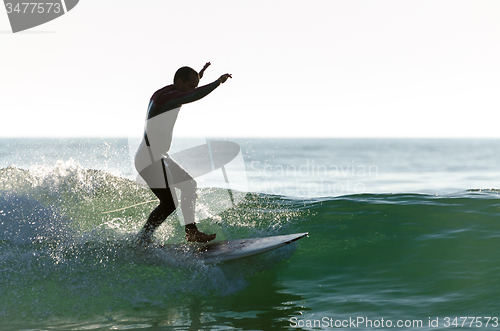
(68,258)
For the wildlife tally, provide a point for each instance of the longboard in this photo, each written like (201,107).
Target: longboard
(225,250)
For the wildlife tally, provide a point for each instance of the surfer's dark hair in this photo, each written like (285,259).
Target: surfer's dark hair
(184,73)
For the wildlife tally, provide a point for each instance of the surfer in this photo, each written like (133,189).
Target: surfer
(161,173)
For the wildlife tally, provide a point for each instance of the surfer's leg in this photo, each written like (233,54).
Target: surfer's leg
(187,185)
(188,202)
(158,215)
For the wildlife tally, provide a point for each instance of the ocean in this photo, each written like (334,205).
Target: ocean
(403,234)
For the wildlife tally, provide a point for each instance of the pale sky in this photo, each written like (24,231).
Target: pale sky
(300,68)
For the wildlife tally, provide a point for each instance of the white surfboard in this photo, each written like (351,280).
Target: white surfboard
(225,250)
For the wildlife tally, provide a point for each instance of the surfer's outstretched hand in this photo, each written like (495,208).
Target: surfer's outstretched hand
(203,70)
(223,78)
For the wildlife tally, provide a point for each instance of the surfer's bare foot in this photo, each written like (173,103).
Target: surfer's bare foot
(195,235)
(200,237)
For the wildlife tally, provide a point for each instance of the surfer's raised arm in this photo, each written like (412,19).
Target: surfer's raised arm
(222,79)
(199,92)
(203,70)
(183,92)
(183,97)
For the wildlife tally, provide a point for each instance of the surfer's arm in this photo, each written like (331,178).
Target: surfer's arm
(203,70)
(177,99)
(181,98)
(200,92)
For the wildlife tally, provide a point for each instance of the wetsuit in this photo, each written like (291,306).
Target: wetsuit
(154,165)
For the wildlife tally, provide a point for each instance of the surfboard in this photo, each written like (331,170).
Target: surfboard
(226,250)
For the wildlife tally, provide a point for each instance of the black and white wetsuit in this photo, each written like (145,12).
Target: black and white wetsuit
(154,165)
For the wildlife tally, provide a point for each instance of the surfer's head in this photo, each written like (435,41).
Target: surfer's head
(186,79)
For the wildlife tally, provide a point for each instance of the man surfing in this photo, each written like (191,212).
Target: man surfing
(161,173)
